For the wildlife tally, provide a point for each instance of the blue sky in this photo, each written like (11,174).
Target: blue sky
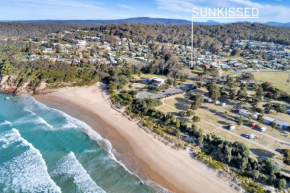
(270,10)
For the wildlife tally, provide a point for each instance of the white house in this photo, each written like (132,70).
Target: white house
(156,81)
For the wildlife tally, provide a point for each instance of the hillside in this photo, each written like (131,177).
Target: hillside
(142,20)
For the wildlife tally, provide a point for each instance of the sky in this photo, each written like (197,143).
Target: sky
(270,10)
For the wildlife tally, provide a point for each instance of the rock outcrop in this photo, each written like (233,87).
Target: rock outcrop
(7,84)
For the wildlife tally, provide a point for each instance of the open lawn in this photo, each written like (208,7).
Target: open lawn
(178,102)
(232,58)
(227,72)
(167,109)
(277,79)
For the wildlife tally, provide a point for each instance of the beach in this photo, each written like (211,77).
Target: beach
(175,170)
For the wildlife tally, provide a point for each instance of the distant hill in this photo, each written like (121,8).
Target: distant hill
(143,20)
(272,23)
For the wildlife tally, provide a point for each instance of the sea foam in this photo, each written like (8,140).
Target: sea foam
(6,123)
(32,118)
(70,167)
(26,172)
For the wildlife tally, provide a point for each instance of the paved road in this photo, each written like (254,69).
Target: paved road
(168,92)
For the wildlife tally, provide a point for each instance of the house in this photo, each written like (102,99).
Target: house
(33,57)
(47,51)
(23,58)
(92,60)
(141,59)
(156,81)
(61,60)
(65,51)
(76,61)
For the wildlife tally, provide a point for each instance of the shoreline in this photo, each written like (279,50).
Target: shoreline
(172,169)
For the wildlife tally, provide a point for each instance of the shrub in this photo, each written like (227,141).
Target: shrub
(195,119)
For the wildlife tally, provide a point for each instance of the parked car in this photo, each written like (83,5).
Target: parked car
(251,136)
(286,132)
(231,127)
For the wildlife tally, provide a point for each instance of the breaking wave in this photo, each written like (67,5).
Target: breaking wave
(70,167)
(6,123)
(26,172)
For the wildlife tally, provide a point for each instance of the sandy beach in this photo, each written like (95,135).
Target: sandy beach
(172,169)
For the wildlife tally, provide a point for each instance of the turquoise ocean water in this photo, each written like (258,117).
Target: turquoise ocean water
(46,150)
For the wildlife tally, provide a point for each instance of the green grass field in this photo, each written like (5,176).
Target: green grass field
(278,80)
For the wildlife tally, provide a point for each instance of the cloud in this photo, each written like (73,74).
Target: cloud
(268,12)
(56,9)
(125,6)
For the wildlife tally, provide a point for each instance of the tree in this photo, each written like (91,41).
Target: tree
(259,92)
(177,133)
(256,174)
(268,107)
(273,125)
(214,91)
(195,119)
(280,108)
(189,113)
(200,139)
(214,72)
(242,93)
(286,156)
(240,121)
(182,113)
(177,124)
(228,153)
(261,119)
(231,82)
(281,184)
(197,101)
(271,167)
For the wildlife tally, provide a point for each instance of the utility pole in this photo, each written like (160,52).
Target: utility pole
(191,65)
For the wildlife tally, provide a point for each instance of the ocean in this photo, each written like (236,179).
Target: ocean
(45,150)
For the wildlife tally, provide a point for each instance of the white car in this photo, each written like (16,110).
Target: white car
(286,132)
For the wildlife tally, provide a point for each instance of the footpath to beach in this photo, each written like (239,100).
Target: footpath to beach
(172,169)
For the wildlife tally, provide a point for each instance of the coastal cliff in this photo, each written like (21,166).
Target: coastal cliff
(8,86)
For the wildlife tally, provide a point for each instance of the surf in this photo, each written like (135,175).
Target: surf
(26,172)
(69,167)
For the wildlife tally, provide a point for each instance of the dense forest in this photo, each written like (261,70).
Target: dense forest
(15,30)
(205,36)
